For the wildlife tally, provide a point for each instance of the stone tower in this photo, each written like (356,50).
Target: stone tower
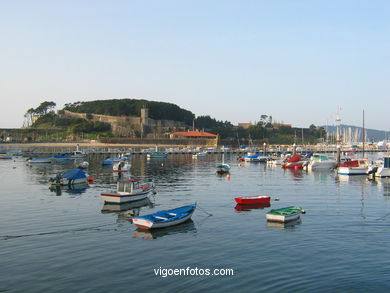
(145,116)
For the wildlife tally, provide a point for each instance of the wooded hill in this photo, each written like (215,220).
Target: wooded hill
(132,107)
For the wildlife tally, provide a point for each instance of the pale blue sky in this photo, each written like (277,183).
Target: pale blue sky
(296,60)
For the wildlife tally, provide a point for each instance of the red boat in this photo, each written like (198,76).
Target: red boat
(295,162)
(255,199)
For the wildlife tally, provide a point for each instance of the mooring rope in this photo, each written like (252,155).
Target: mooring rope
(7,237)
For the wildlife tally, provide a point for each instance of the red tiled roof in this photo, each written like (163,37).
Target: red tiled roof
(194,134)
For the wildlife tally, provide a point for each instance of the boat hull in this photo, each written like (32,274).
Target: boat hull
(40,161)
(65,181)
(163,219)
(352,170)
(262,199)
(295,165)
(284,215)
(283,219)
(383,172)
(119,198)
(146,224)
(322,165)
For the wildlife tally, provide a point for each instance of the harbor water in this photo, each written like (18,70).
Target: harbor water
(68,240)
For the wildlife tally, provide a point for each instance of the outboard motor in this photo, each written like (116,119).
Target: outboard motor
(371,172)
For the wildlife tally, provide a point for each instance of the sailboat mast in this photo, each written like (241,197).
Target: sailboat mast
(364,135)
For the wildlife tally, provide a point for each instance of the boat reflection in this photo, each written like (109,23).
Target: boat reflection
(186,227)
(385,182)
(248,207)
(70,189)
(126,211)
(287,225)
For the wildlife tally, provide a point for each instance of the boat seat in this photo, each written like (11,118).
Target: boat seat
(162,218)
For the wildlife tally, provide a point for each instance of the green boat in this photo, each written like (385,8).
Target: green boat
(284,215)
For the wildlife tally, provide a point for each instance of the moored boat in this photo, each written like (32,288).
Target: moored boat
(71,177)
(121,166)
(5,156)
(255,199)
(199,155)
(165,218)
(157,155)
(128,190)
(322,162)
(40,161)
(254,158)
(222,168)
(284,215)
(381,168)
(295,162)
(354,167)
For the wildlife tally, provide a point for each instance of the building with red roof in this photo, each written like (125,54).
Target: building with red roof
(192,134)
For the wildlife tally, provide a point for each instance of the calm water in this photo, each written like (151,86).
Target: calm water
(69,241)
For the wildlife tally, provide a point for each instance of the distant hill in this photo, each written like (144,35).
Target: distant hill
(372,134)
(132,107)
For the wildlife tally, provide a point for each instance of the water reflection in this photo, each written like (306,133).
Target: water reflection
(249,207)
(126,211)
(187,227)
(287,225)
(70,189)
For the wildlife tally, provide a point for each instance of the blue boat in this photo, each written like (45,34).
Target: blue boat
(72,176)
(254,158)
(5,156)
(156,154)
(165,218)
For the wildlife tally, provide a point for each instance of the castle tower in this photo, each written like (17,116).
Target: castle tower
(145,116)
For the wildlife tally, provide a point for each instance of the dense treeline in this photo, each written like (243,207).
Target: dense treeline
(132,107)
(261,131)
(73,125)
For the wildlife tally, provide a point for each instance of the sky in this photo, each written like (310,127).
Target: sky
(296,60)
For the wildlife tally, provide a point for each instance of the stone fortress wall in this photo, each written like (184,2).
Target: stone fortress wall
(133,125)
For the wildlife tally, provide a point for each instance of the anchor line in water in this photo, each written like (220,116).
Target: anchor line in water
(7,237)
(203,210)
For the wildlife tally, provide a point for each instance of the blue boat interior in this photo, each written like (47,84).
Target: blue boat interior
(170,215)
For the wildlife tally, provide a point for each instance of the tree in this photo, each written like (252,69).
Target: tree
(29,116)
(44,108)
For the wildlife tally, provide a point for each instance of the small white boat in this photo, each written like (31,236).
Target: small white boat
(354,167)
(121,166)
(199,155)
(284,215)
(381,169)
(40,161)
(157,155)
(83,165)
(128,190)
(251,157)
(322,162)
